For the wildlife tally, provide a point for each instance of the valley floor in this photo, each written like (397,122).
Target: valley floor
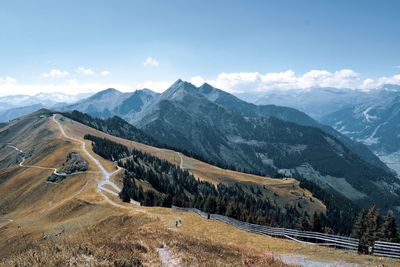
(77,223)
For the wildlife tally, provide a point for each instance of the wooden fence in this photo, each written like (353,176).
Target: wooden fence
(386,249)
(383,249)
(342,242)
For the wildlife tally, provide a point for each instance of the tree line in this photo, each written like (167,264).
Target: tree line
(170,185)
(156,182)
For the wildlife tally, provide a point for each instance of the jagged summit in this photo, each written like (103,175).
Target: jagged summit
(206,88)
(178,90)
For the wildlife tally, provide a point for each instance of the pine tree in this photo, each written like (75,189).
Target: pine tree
(304,223)
(316,221)
(388,230)
(359,228)
(372,227)
(374,221)
(359,225)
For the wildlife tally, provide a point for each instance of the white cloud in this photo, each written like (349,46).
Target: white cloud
(54,73)
(7,80)
(84,71)
(151,62)
(396,67)
(257,82)
(105,73)
(370,83)
(157,86)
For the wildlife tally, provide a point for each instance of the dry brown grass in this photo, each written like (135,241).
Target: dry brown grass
(132,241)
(84,229)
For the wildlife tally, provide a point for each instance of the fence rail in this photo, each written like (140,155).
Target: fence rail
(343,242)
(384,249)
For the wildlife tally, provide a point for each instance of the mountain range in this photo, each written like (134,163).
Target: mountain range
(265,139)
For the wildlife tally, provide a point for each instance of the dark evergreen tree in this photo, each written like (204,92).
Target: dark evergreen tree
(388,230)
(359,228)
(317,223)
(304,223)
(359,225)
(372,226)
(367,228)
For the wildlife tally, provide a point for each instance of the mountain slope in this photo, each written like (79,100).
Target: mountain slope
(114,126)
(135,103)
(355,114)
(183,117)
(234,104)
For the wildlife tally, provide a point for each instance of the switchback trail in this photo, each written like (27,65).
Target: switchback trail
(101,185)
(106,175)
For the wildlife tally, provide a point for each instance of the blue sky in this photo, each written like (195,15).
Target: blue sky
(67,44)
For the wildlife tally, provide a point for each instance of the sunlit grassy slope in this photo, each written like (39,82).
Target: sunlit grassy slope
(71,222)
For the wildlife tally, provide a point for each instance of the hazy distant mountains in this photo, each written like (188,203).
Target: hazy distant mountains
(371,117)
(269,139)
(14,106)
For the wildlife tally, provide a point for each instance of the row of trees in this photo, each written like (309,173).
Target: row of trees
(369,227)
(156,182)
(172,186)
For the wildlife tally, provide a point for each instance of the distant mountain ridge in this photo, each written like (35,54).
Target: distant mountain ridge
(375,121)
(14,106)
(368,116)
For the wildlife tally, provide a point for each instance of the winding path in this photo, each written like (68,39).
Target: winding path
(34,166)
(21,164)
(106,175)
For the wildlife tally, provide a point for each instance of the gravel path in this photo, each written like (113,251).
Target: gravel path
(167,257)
(303,261)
